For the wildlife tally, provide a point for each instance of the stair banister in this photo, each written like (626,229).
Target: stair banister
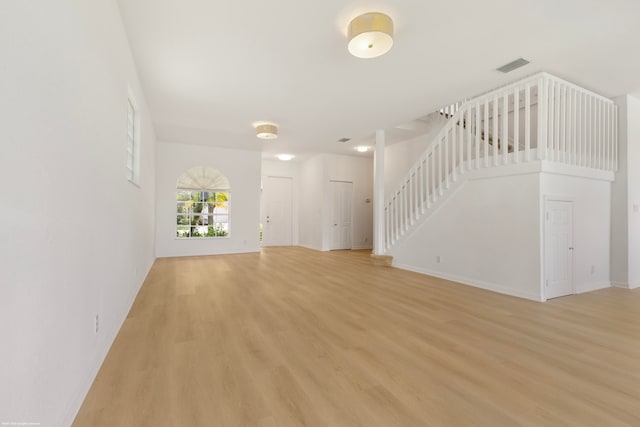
(574,126)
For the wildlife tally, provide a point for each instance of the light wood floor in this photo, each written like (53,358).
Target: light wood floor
(294,337)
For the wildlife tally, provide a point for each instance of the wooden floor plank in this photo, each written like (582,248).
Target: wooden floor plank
(294,337)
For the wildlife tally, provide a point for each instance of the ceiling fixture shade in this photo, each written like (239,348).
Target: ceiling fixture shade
(362,149)
(370,35)
(285,157)
(267,131)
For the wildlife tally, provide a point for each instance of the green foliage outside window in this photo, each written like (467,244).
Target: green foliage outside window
(202,214)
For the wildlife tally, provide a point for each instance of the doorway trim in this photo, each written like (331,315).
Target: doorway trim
(264,207)
(331,197)
(543,240)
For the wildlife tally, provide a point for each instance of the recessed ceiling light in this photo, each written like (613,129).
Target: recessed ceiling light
(266,130)
(362,149)
(285,157)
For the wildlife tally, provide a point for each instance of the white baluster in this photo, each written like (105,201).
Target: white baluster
(614,137)
(609,138)
(591,160)
(453,144)
(543,117)
(600,136)
(574,146)
(563,125)
(486,132)
(478,132)
(527,122)
(516,125)
(581,132)
(469,125)
(386,226)
(494,138)
(557,122)
(505,128)
(396,215)
(433,174)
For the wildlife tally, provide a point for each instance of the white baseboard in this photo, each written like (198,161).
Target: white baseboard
(103,349)
(310,247)
(589,287)
(359,248)
(475,283)
(620,285)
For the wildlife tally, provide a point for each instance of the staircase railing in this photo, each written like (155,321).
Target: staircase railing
(540,117)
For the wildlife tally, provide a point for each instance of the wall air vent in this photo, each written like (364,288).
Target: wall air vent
(513,65)
(344,140)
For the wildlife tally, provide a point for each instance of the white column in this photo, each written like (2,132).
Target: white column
(378,195)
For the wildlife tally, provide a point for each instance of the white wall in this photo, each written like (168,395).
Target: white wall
(312,200)
(486,235)
(591,225)
(290,169)
(400,157)
(78,237)
(315,208)
(625,206)
(241,167)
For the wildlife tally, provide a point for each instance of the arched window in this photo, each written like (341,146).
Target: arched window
(202,198)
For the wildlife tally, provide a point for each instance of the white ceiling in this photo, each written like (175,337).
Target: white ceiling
(211,68)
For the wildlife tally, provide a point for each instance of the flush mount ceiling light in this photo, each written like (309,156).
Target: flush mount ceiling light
(370,35)
(266,131)
(285,157)
(362,149)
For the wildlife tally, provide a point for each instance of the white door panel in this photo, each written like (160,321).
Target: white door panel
(277,221)
(558,249)
(341,197)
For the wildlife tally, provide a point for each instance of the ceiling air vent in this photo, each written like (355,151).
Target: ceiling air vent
(507,68)
(344,140)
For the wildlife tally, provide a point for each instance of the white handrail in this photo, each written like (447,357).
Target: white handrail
(571,125)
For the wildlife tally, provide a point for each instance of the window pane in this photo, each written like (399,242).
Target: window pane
(218,230)
(202,214)
(182,208)
(183,220)
(198,231)
(183,195)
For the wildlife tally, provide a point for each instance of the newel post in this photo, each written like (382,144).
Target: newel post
(378,195)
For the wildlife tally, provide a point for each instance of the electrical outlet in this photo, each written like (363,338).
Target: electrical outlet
(366,239)
(438,259)
(593,269)
(97,323)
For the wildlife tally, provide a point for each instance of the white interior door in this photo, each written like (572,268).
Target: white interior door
(558,249)
(277,221)
(341,198)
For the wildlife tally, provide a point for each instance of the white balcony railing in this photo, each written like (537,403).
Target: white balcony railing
(540,117)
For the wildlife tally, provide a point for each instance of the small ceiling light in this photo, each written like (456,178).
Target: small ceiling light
(285,157)
(267,131)
(362,149)
(370,35)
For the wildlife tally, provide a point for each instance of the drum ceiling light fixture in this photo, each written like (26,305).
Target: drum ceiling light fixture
(266,130)
(370,35)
